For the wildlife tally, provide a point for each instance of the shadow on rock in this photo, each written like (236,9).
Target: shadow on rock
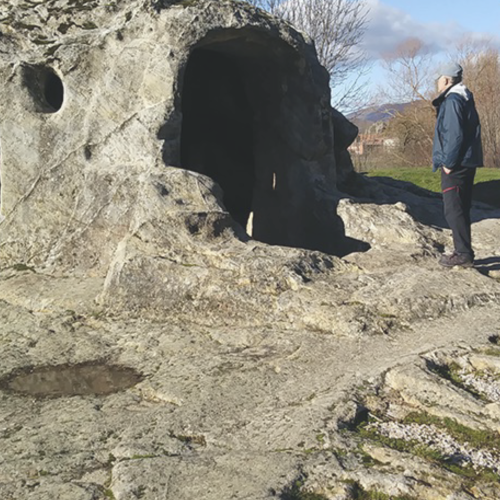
(487,192)
(486,265)
(423,205)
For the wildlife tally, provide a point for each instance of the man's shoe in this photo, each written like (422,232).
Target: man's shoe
(456,259)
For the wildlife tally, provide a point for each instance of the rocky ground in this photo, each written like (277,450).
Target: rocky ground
(372,376)
(150,349)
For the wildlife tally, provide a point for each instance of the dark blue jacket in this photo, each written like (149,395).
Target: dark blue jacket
(457,138)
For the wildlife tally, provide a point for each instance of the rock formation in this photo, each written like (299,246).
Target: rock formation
(121,124)
(115,103)
(149,347)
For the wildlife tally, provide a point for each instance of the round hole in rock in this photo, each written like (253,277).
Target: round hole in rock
(54,91)
(70,380)
(45,87)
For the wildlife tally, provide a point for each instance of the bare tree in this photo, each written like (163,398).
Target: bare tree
(410,70)
(269,5)
(413,130)
(337,28)
(481,63)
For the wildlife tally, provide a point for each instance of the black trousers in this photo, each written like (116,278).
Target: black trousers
(457,198)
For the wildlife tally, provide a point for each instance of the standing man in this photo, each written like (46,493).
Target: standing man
(457,151)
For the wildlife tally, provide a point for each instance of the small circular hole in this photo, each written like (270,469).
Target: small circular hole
(45,88)
(54,91)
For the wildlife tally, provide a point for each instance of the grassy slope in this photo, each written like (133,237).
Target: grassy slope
(424,177)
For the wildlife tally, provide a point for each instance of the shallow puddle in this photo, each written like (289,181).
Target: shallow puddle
(70,380)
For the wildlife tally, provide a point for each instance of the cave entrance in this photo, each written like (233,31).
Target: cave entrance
(217,128)
(252,121)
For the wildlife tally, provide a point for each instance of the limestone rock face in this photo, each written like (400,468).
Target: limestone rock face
(113,111)
(139,141)
(130,135)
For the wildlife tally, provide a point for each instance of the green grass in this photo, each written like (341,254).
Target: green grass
(397,444)
(425,178)
(491,351)
(23,267)
(480,439)
(432,456)
(463,434)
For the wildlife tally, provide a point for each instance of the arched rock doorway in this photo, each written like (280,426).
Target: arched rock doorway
(253,121)
(217,128)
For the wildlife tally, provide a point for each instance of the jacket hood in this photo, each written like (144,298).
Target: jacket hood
(461,90)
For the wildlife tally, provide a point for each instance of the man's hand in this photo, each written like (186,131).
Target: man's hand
(447,171)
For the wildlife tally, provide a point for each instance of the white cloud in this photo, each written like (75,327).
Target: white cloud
(388,27)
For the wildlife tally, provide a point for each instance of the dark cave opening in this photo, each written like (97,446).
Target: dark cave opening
(217,128)
(251,119)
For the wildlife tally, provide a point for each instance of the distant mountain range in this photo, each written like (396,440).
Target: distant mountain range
(366,117)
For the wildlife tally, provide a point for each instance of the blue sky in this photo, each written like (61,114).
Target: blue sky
(440,24)
(478,15)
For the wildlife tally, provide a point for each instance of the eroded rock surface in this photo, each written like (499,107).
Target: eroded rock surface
(246,411)
(268,401)
(265,371)
(107,109)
